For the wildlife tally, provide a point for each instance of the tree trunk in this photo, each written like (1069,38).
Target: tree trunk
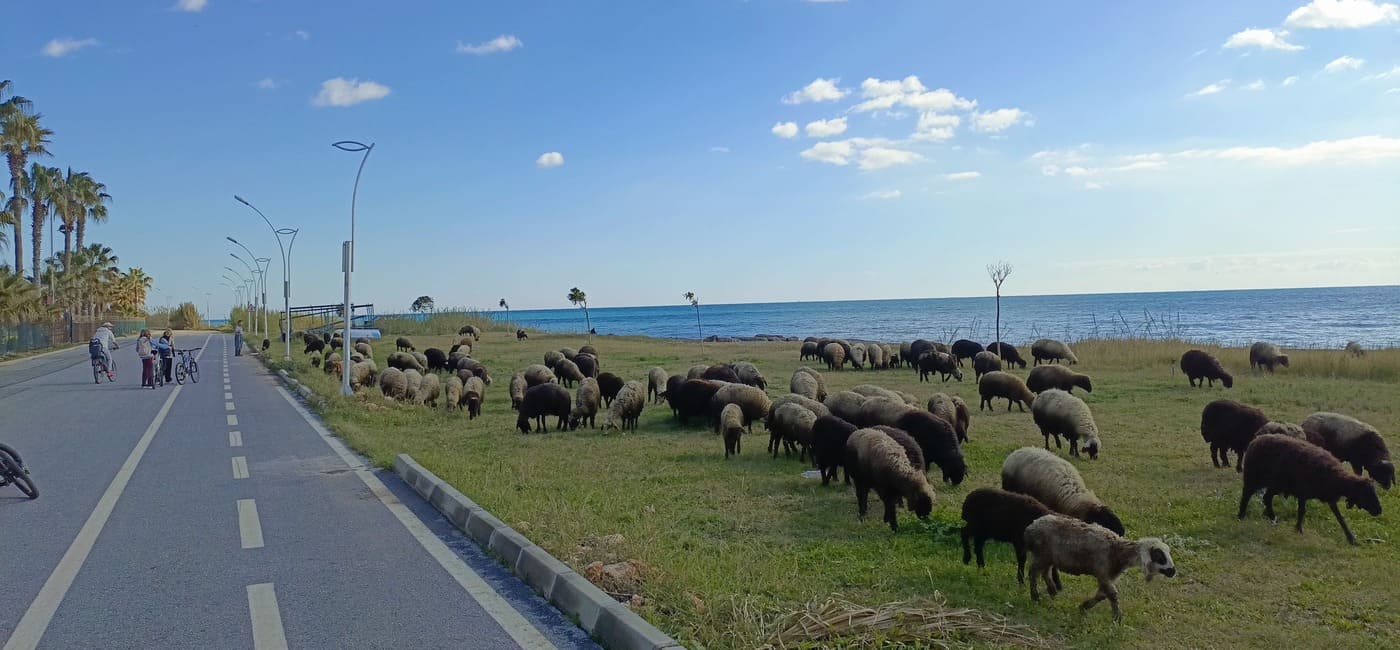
(67,248)
(36,227)
(588,322)
(998,314)
(82,227)
(16,159)
(18,244)
(699,330)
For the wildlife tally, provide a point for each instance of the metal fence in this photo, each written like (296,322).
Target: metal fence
(23,337)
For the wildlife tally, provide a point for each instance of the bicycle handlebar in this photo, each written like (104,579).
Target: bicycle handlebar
(190,349)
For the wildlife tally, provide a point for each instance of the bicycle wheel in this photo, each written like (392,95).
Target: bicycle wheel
(180,373)
(18,474)
(97,371)
(194,371)
(112,368)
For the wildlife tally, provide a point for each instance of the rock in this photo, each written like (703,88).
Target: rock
(623,577)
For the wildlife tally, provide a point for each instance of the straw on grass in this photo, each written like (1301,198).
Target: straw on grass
(928,623)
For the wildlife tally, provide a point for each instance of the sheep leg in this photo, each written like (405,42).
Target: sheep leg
(1351,539)
(1214,456)
(1244,500)
(1036,570)
(1239,459)
(1303,504)
(1020,561)
(1073,446)
(862,499)
(967,548)
(1094,600)
(1047,441)
(1269,505)
(891,514)
(1055,575)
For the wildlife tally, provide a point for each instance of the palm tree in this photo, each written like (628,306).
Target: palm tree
(19,299)
(506,306)
(21,136)
(4,221)
(96,207)
(580,299)
(45,186)
(421,304)
(695,302)
(80,192)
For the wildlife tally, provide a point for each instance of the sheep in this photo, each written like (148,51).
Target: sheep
(609,384)
(452,393)
(953,410)
(517,390)
(362,374)
(586,403)
(856,354)
(1302,470)
(965,349)
(569,353)
(939,442)
(542,401)
(731,424)
(656,384)
(465,344)
(520,335)
(1266,356)
(1004,384)
(1281,428)
(720,372)
(437,359)
(692,398)
(356,357)
(809,351)
(911,447)
(881,410)
(587,364)
(470,330)
(315,361)
(537,374)
(906,356)
(752,399)
(917,349)
(1351,441)
(421,359)
(474,367)
(414,380)
(696,371)
(875,356)
(1227,425)
(821,381)
(404,361)
(791,423)
(984,362)
(429,390)
(817,408)
(834,356)
(589,349)
(1043,378)
(1057,413)
(1051,351)
(402,344)
(749,374)
(364,349)
(473,394)
(1354,349)
(1053,481)
(1008,353)
(938,362)
(803,384)
(875,461)
(829,435)
(332,360)
(627,407)
(845,405)
(673,387)
(552,357)
(1066,545)
(393,383)
(1198,366)
(993,513)
(314,345)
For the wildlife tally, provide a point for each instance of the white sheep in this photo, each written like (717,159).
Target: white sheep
(1063,544)
(1058,413)
(1057,484)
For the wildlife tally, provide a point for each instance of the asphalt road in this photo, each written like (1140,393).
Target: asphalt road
(213,515)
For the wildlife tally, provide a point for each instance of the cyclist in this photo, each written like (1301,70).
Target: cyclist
(167,355)
(99,347)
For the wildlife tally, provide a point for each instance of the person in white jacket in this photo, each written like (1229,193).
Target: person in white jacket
(100,346)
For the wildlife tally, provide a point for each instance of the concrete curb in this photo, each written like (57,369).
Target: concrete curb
(614,625)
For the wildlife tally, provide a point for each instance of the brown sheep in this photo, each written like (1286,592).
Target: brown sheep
(1004,384)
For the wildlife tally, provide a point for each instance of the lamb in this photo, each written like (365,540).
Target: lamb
(587,364)
(414,380)
(992,513)
(609,384)
(542,401)
(881,410)
(834,355)
(829,435)
(803,384)
(364,349)
(984,362)
(656,384)
(696,371)
(692,399)
(1004,384)
(470,330)
(731,424)
(938,362)
(473,394)
(939,442)
(1043,378)
(627,407)
(1197,365)
(1354,349)
(1053,481)
(586,403)
(1051,351)
(821,381)
(720,372)
(749,374)
(552,357)
(537,374)
(966,349)
(517,390)
(1066,545)
(1057,413)
(452,393)
(428,390)
(1352,441)
(1292,467)
(437,360)
(791,423)
(1008,353)
(856,354)
(875,461)
(1227,425)
(404,361)
(953,410)
(809,351)
(402,344)
(752,400)
(1266,356)
(393,383)
(845,405)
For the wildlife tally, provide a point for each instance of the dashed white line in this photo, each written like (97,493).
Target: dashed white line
(235,438)
(228,406)
(249,528)
(232,420)
(240,467)
(228,395)
(267,618)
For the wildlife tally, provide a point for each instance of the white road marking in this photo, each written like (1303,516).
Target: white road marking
(267,618)
(249,528)
(228,395)
(235,438)
(232,420)
(36,619)
(228,406)
(240,467)
(519,629)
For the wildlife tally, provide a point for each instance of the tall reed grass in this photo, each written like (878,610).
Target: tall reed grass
(445,322)
(1375,365)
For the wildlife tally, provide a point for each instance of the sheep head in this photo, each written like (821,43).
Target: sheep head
(1362,494)
(1155,558)
(1383,472)
(1101,515)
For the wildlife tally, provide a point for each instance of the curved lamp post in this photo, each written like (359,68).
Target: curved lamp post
(348,249)
(286,270)
(258,269)
(247,284)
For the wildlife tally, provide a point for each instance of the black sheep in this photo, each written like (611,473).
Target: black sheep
(693,398)
(941,363)
(437,359)
(965,349)
(541,402)
(587,364)
(720,372)
(520,335)
(609,385)
(314,345)
(1230,426)
(1282,465)
(993,513)
(1008,353)
(917,349)
(402,344)
(1198,366)
(589,349)
(266,344)
(326,337)
(939,442)
(829,434)
(673,387)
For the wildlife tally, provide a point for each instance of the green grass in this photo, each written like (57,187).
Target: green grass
(736,544)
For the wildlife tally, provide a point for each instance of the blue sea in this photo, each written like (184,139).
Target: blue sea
(1325,318)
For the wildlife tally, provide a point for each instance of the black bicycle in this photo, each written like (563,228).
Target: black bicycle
(12,470)
(100,367)
(186,366)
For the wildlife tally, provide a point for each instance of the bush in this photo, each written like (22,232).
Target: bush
(185,317)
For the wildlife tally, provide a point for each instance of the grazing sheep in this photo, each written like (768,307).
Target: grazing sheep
(627,407)
(332,358)
(1351,441)
(1354,349)
(692,398)
(569,353)
(1056,483)
(875,461)
(315,361)
(517,390)
(364,349)
(1281,429)
(752,399)
(1199,366)
(1058,413)
(879,355)
(939,442)
(731,425)
(402,344)
(1066,545)
(871,390)
(540,402)
(465,344)
(809,351)
(421,359)
(537,374)
(362,374)
(393,383)
(587,364)
(696,371)
(1008,353)
(589,349)
(414,380)
(552,357)
(437,360)
(911,447)
(1266,356)
(856,354)
(475,368)
(938,362)
(791,423)
(470,330)
(881,410)
(586,403)
(817,408)
(314,345)
(609,384)
(803,384)
(404,361)
(520,335)
(984,362)
(845,405)
(834,355)
(919,348)
(1043,378)
(473,394)
(1302,470)
(567,372)
(429,389)
(1227,425)
(953,410)
(452,394)
(992,513)
(965,349)
(656,384)
(829,435)
(1051,351)
(1004,384)
(906,353)
(720,372)
(356,357)
(673,387)
(821,381)
(749,374)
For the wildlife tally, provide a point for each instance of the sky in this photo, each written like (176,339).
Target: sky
(768,150)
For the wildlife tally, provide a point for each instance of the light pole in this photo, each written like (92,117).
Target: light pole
(348,251)
(256,270)
(259,270)
(247,287)
(286,271)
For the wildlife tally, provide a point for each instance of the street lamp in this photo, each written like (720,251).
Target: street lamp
(348,250)
(286,271)
(259,270)
(247,285)
(253,270)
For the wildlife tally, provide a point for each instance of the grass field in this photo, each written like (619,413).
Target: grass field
(735,545)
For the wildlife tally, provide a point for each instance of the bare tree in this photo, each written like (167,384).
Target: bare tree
(689,296)
(998,273)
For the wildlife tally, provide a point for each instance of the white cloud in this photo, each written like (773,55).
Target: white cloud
(348,92)
(301,35)
(963,176)
(785,129)
(833,153)
(820,90)
(1393,91)
(1392,73)
(1211,89)
(826,128)
(1080,171)
(502,43)
(191,5)
(998,120)
(884,195)
(882,157)
(910,92)
(1091,185)
(1266,39)
(1289,81)
(64,46)
(550,160)
(1257,84)
(936,127)
(1363,149)
(267,83)
(1342,14)
(719,149)
(1342,63)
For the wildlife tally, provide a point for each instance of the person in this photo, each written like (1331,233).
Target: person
(238,338)
(100,345)
(144,352)
(167,354)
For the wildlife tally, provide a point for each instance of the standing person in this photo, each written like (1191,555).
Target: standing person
(100,345)
(145,351)
(238,338)
(167,355)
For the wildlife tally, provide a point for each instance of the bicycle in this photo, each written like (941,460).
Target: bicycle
(12,470)
(186,366)
(100,367)
(158,374)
